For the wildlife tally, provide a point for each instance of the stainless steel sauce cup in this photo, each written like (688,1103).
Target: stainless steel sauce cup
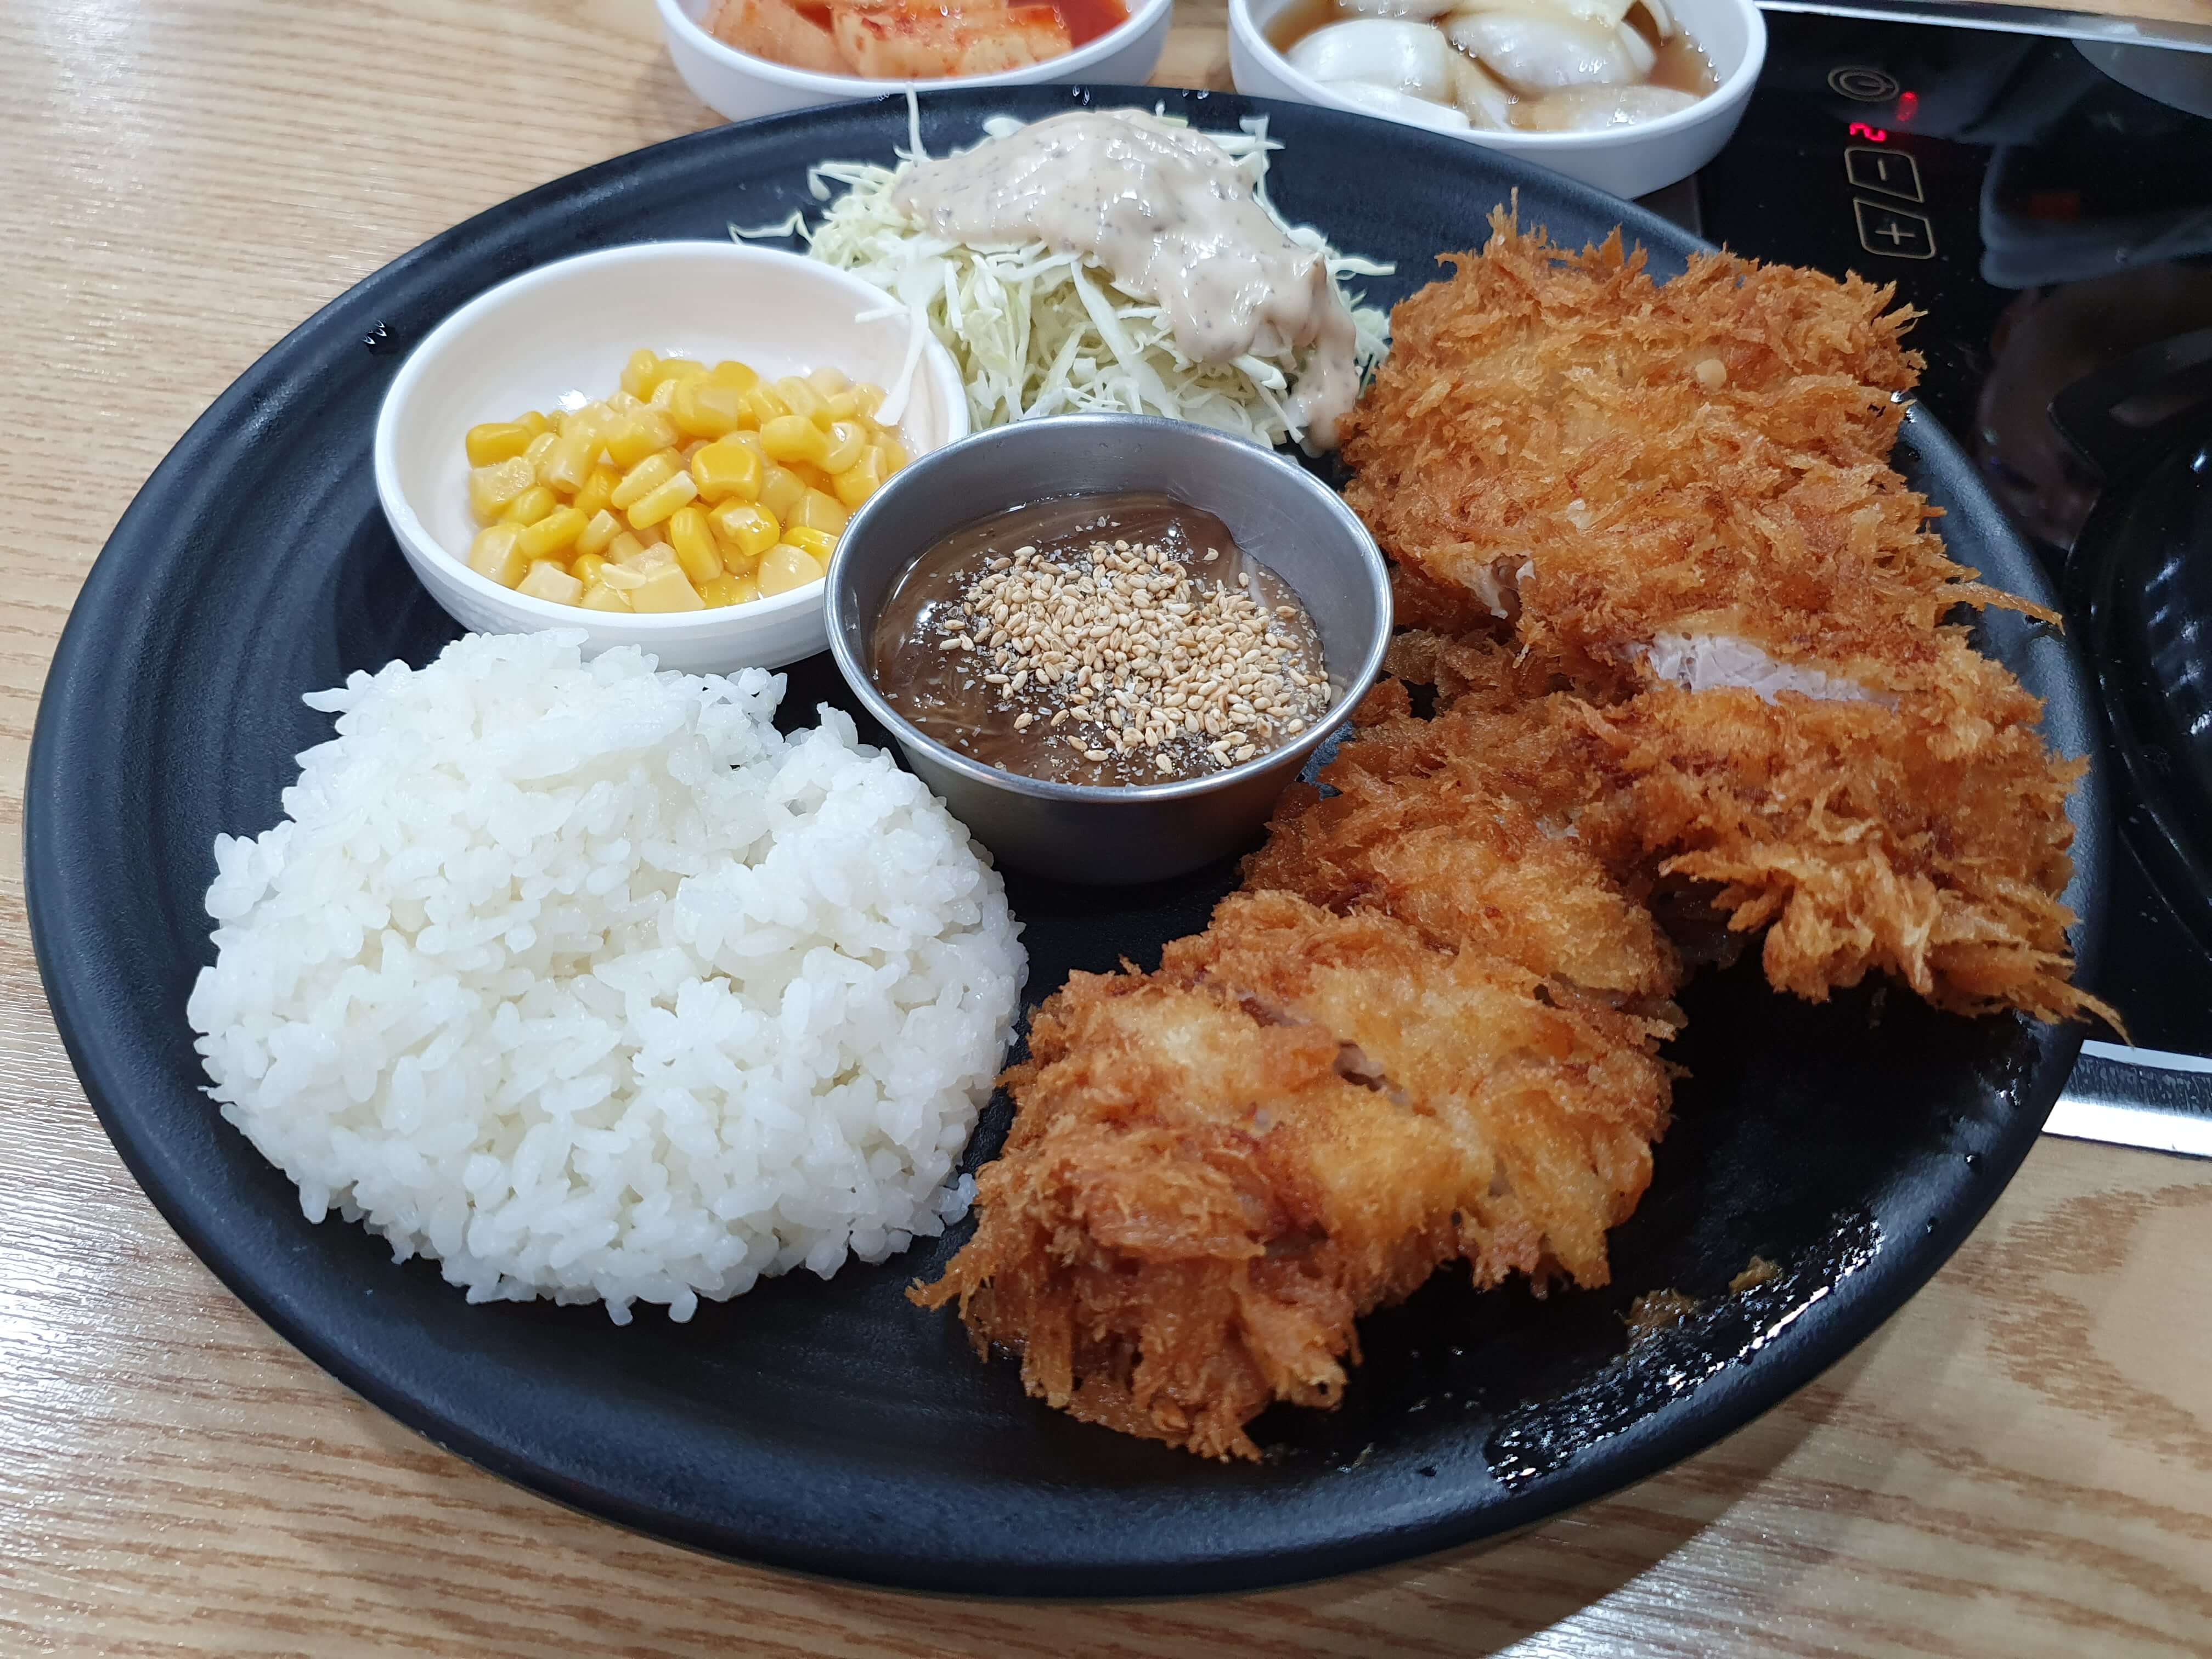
(1279,513)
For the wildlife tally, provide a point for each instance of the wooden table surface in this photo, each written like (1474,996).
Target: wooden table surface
(2020,1464)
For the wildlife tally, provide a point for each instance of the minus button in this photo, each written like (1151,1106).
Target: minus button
(1892,171)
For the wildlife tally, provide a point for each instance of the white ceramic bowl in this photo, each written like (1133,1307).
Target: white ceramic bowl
(740,86)
(1632,160)
(557,336)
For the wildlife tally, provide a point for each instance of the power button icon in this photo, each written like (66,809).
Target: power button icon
(1864,85)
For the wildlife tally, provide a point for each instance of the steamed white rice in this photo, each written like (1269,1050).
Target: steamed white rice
(584,981)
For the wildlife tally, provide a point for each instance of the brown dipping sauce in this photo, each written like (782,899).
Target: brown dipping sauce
(1109,640)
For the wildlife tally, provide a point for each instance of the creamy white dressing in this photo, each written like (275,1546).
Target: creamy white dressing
(1169,214)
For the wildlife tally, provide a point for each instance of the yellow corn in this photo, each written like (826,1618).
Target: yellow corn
(817,511)
(662,500)
(705,410)
(786,567)
(761,405)
(665,589)
(637,373)
(799,397)
(547,580)
(600,597)
(495,553)
(739,377)
(582,422)
(694,544)
(724,468)
(746,529)
(632,442)
(642,480)
(859,481)
(847,442)
(678,369)
(819,542)
(491,488)
(792,438)
(599,531)
(568,464)
(532,505)
(599,490)
(496,441)
(552,536)
(781,490)
(715,487)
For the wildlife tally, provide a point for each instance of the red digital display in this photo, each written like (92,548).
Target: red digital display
(1872,135)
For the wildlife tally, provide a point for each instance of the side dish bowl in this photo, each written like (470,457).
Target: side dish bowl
(1630,161)
(557,336)
(740,86)
(1279,513)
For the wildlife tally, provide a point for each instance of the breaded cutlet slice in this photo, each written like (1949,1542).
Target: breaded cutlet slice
(1194,1205)
(1561,449)
(1215,1170)
(1472,847)
(1556,1105)
(1924,836)
(1536,391)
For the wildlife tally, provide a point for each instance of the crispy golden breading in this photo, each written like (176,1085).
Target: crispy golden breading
(1670,501)
(1560,447)
(1470,848)
(1215,1170)
(1191,1210)
(1927,840)
(1556,1105)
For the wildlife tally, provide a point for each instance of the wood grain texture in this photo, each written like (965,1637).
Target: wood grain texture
(2021,1463)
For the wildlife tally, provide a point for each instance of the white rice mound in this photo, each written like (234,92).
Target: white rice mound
(584,981)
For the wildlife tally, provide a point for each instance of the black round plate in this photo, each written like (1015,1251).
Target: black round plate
(832,1427)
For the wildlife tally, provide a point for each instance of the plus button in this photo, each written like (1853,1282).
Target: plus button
(1894,233)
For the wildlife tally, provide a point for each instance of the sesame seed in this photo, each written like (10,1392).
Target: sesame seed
(1120,641)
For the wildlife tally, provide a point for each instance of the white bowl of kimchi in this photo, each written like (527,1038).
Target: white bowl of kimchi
(917,43)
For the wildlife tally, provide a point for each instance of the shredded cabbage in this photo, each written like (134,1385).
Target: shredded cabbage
(1037,332)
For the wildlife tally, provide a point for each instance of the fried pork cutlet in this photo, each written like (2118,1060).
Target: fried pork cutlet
(1560,446)
(1473,849)
(1674,504)
(1215,1170)
(1556,1105)
(1927,840)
